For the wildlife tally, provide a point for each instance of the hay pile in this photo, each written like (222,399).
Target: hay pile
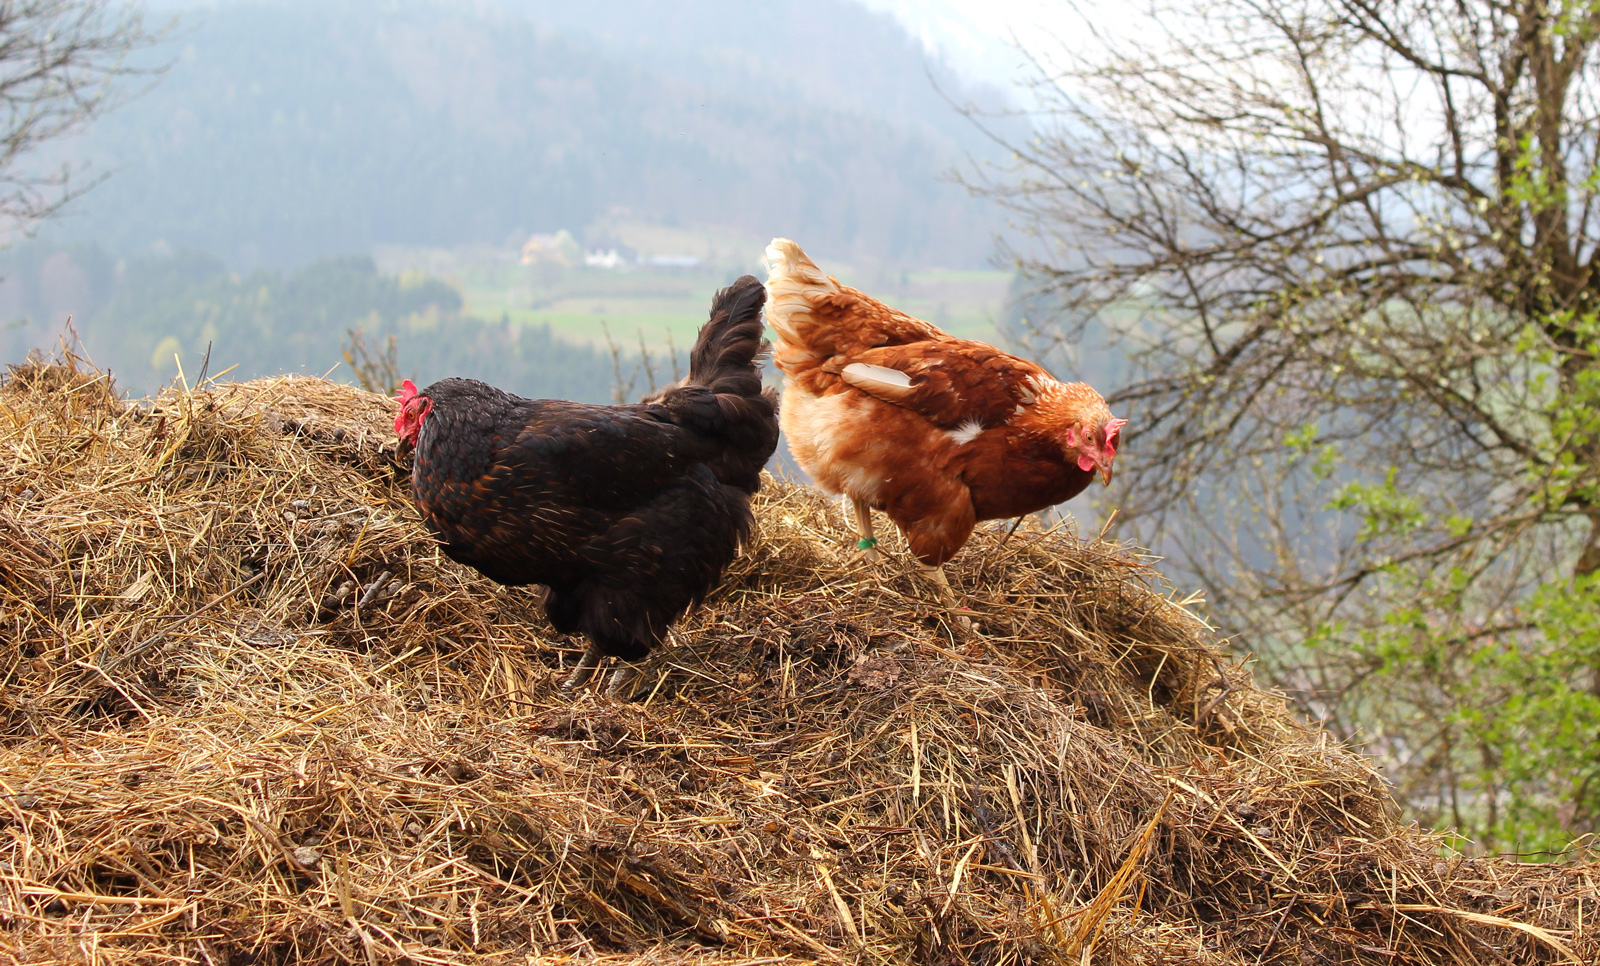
(250,714)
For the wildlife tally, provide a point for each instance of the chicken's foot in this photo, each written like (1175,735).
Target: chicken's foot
(585,670)
(865,542)
(963,623)
(619,685)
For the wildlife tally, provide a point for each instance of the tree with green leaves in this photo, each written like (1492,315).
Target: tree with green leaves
(1350,247)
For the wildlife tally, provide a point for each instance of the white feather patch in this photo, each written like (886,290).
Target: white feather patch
(966,432)
(880,379)
(1035,386)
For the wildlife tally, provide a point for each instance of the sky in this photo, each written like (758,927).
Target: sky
(978,36)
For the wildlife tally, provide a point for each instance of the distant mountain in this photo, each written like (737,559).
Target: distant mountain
(835,54)
(288,131)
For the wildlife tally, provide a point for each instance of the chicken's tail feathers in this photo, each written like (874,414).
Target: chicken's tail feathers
(723,399)
(731,347)
(788,261)
(793,282)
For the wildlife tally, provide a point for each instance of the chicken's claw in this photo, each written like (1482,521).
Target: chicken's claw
(584,671)
(618,686)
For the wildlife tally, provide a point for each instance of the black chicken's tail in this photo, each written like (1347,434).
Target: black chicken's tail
(724,357)
(722,398)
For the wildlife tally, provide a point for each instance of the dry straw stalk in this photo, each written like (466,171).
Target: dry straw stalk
(249,713)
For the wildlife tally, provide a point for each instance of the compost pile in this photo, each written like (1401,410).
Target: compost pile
(250,714)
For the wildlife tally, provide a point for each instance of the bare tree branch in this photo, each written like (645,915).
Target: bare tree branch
(62,64)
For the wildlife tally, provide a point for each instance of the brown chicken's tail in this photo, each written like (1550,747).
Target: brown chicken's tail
(794,284)
(737,414)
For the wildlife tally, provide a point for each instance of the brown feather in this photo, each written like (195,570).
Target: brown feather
(975,434)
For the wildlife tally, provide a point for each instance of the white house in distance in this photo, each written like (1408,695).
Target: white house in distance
(610,258)
(674,261)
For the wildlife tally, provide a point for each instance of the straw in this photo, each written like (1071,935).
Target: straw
(249,713)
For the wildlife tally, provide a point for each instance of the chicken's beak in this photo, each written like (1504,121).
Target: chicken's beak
(1105,473)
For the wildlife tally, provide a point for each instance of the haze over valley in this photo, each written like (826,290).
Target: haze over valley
(514,173)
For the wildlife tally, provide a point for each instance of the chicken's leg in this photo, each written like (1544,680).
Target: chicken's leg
(948,596)
(585,669)
(866,542)
(619,684)
(620,680)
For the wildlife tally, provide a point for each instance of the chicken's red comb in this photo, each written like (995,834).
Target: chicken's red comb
(1114,426)
(407,390)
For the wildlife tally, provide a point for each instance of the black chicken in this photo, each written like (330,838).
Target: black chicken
(628,514)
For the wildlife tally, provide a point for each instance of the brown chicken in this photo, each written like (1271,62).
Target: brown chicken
(937,432)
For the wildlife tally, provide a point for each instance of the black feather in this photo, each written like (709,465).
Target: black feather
(722,395)
(629,514)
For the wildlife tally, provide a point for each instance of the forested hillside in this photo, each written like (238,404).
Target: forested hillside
(136,315)
(286,131)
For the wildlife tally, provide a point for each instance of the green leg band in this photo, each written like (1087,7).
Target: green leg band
(866,543)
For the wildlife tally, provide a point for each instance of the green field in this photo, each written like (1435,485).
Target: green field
(662,308)
(666,306)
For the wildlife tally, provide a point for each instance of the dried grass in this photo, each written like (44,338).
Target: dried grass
(250,714)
